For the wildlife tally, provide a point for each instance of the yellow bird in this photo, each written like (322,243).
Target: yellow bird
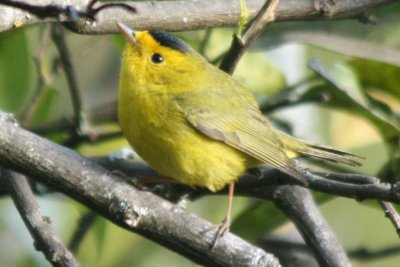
(194,123)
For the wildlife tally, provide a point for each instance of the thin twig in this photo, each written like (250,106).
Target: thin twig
(68,11)
(91,137)
(57,35)
(364,254)
(45,239)
(392,214)
(85,223)
(239,44)
(204,43)
(42,80)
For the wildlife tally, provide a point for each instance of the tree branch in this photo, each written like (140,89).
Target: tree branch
(298,204)
(354,186)
(23,150)
(107,194)
(187,15)
(57,35)
(392,214)
(85,222)
(46,240)
(240,43)
(62,12)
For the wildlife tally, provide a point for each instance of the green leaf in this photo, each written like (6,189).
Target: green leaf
(340,96)
(244,17)
(15,69)
(100,228)
(255,78)
(377,75)
(343,95)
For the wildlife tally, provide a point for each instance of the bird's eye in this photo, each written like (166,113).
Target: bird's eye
(157,58)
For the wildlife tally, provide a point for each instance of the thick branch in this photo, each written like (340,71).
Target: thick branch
(46,240)
(137,211)
(190,15)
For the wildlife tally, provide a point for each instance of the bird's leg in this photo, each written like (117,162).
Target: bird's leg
(223,227)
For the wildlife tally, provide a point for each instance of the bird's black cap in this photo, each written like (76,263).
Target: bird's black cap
(170,41)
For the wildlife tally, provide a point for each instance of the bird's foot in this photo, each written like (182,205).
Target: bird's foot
(222,229)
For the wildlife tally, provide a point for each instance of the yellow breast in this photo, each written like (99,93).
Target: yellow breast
(158,132)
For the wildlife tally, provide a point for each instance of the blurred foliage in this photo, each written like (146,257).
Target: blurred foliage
(387,81)
(15,69)
(351,102)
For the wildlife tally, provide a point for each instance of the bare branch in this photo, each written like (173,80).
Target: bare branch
(46,240)
(392,214)
(137,211)
(364,254)
(187,15)
(57,35)
(42,80)
(70,13)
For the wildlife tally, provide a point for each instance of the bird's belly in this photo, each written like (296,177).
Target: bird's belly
(186,155)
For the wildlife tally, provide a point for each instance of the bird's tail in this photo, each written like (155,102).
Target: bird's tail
(318,151)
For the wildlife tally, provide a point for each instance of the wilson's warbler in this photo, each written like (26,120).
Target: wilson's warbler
(194,123)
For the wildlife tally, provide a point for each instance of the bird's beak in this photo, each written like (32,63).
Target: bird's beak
(129,35)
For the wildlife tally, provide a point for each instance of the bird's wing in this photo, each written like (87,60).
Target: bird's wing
(237,122)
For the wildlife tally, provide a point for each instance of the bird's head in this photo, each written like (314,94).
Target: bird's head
(157,58)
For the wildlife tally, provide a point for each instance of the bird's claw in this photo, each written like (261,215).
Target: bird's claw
(222,229)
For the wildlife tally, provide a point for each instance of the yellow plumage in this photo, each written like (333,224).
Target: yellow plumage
(194,123)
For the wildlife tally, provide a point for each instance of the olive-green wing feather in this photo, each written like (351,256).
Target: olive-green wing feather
(236,121)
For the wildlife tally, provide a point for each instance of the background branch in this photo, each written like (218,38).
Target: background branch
(391,213)
(57,35)
(85,222)
(46,240)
